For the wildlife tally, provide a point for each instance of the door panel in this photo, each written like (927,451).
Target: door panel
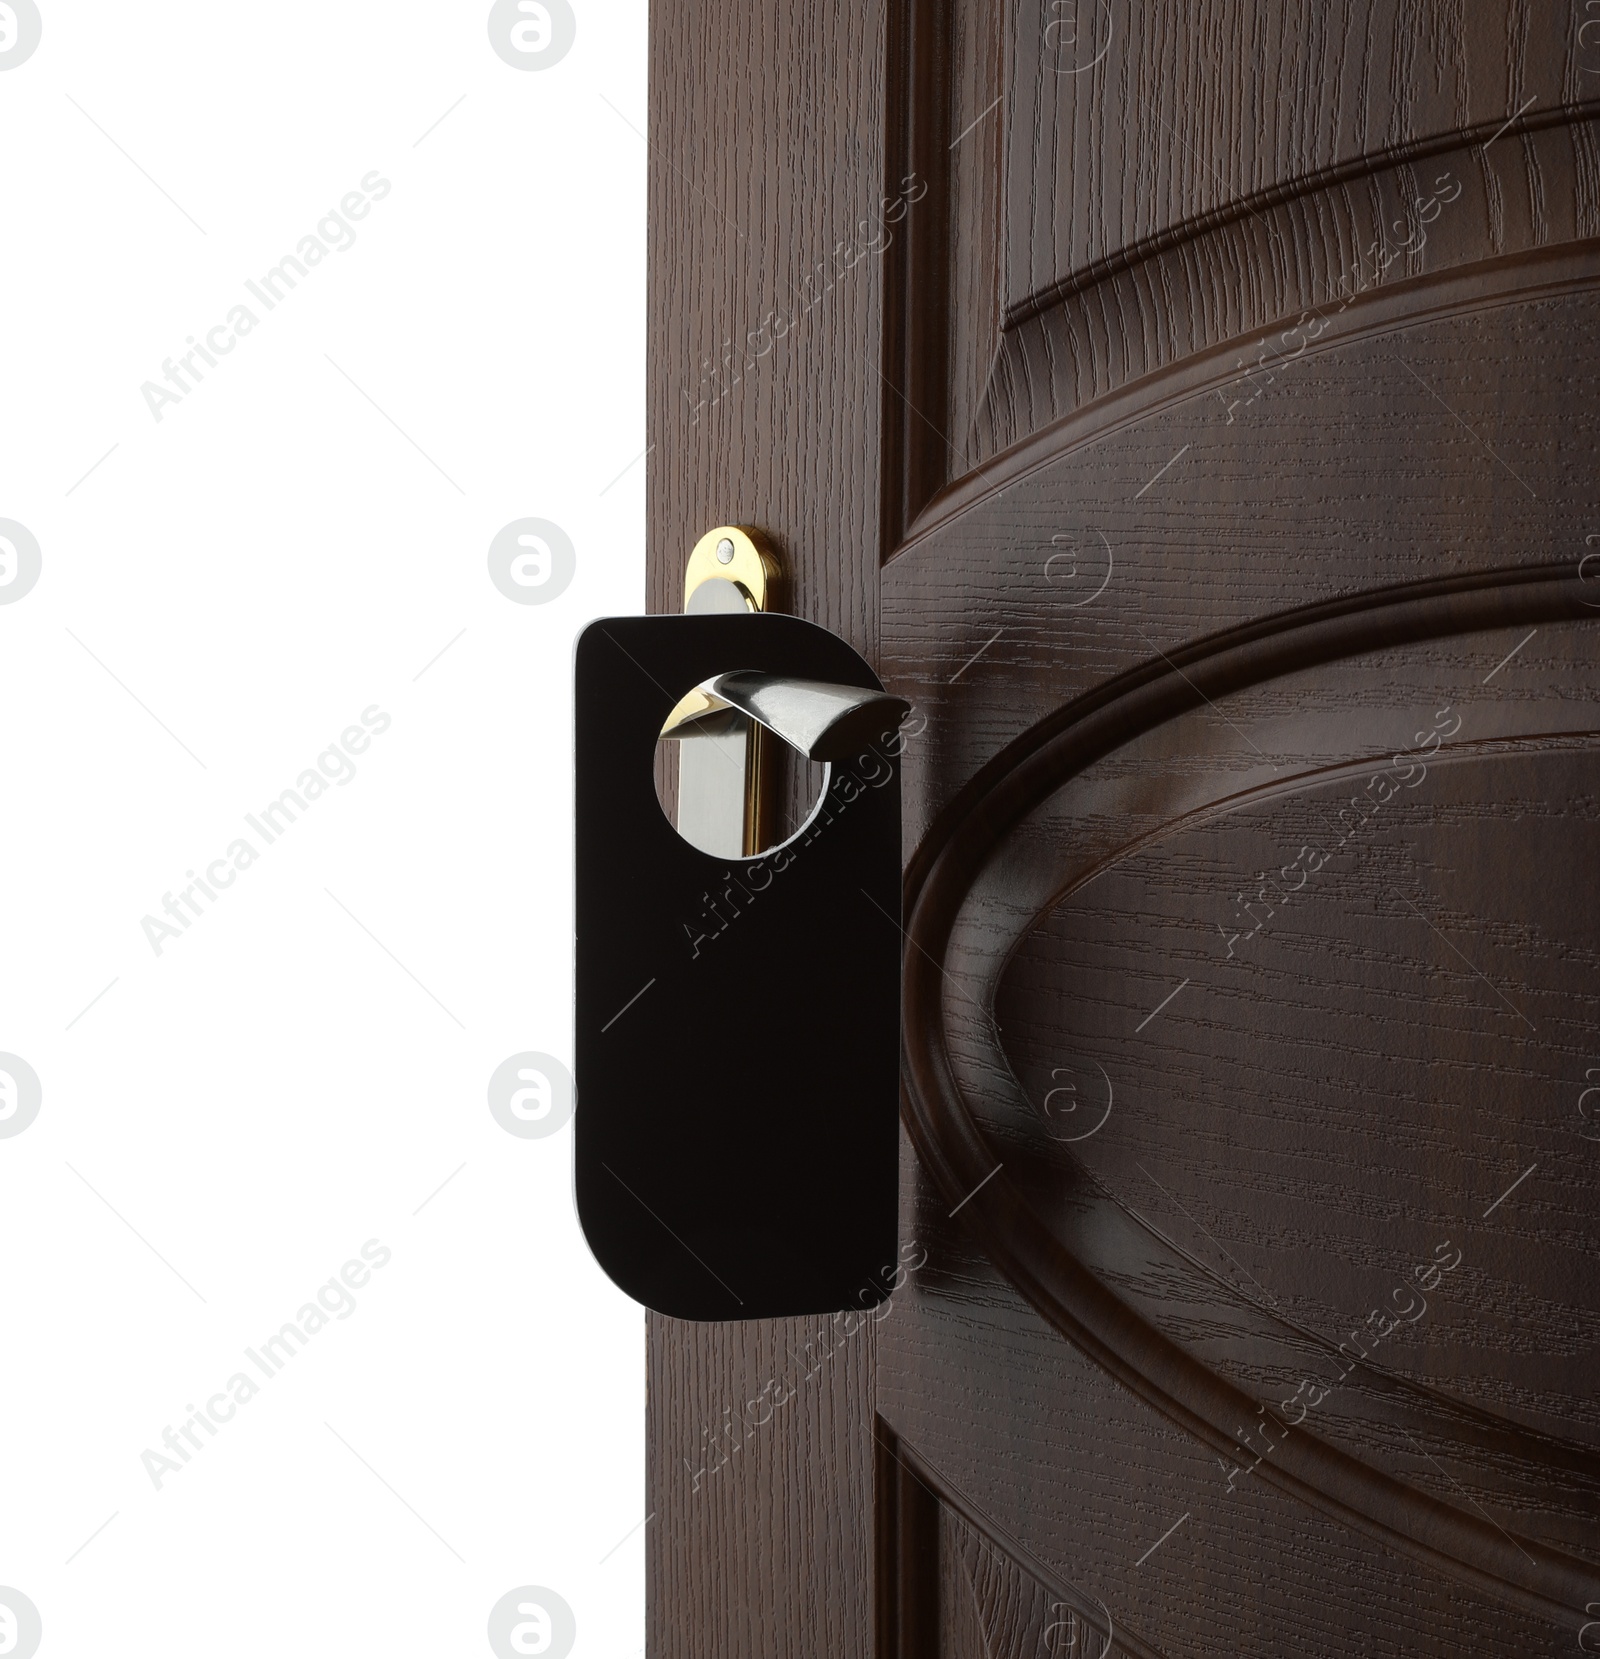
(1221,385)
(1417,1088)
(1220,1207)
(1116,190)
(1162,640)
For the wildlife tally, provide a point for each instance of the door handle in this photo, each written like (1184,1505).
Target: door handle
(736,1010)
(724,771)
(822,721)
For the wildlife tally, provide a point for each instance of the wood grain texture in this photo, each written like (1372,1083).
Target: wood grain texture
(760,1485)
(952,1584)
(1043,1432)
(1114,1285)
(1172,183)
(766,147)
(1183,415)
(1480,1437)
(1432,427)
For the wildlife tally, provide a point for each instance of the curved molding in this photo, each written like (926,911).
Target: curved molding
(1511,279)
(1370,165)
(1309,248)
(1197,304)
(1015,1233)
(1223,806)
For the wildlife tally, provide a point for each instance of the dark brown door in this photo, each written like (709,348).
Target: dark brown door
(1192,409)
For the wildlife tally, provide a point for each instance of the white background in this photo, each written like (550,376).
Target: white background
(269,559)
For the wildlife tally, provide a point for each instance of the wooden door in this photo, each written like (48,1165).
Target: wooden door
(1191,409)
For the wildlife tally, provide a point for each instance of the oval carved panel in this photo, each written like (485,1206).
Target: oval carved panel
(1350,994)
